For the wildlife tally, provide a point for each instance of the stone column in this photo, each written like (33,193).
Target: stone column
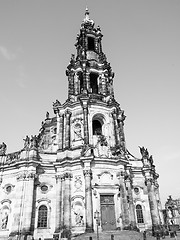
(100,84)
(152,202)
(58,203)
(158,199)
(60,130)
(28,201)
(130,201)
(24,204)
(114,115)
(17,214)
(88,200)
(67,199)
(88,80)
(121,118)
(85,116)
(124,204)
(67,130)
(103,81)
(76,84)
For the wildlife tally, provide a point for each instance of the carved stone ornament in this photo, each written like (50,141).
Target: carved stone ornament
(26,176)
(56,104)
(87,173)
(12,157)
(77,132)
(67,175)
(8,188)
(78,184)
(3,148)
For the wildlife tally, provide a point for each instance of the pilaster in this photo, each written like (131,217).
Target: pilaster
(124,204)
(128,183)
(67,199)
(114,115)
(58,203)
(152,201)
(67,129)
(88,200)
(85,118)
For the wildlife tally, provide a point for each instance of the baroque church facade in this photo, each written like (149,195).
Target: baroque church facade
(78,167)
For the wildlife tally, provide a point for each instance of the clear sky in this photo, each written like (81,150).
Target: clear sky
(142,43)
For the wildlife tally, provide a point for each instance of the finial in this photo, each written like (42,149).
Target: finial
(87,13)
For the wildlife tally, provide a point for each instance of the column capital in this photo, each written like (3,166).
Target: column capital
(68,113)
(87,173)
(149,181)
(25,175)
(67,175)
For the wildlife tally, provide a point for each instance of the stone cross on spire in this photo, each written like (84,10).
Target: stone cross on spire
(87,21)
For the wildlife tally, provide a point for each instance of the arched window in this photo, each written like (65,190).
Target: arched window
(93,82)
(91,44)
(81,81)
(42,216)
(139,214)
(97,127)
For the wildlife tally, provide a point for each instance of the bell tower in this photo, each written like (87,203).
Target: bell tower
(90,82)
(89,72)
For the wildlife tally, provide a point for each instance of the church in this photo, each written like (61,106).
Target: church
(77,172)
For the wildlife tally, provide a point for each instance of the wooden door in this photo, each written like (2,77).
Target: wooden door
(108,219)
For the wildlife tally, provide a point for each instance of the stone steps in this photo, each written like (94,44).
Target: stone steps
(118,235)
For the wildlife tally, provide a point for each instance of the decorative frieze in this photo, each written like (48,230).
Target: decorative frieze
(26,176)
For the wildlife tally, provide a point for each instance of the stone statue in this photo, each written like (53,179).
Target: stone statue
(56,103)
(47,115)
(26,142)
(34,141)
(122,117)
(4,221)
(151,160)
(144,152)
(3,148)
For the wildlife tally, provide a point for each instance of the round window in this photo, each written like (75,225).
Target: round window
(8,189)
(44,188)
(136,190)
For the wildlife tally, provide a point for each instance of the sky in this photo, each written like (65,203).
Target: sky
(141,41)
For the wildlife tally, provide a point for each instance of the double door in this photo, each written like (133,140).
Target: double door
(108,219)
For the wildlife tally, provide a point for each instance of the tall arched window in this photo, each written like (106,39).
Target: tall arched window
(93,82)
(91,44)
(42,216)
(81,81)
(139,214)
(97,127)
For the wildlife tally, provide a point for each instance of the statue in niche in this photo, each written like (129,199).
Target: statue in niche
(78,212)
(102,148)
(78,218)
(3,148)
(4,220)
